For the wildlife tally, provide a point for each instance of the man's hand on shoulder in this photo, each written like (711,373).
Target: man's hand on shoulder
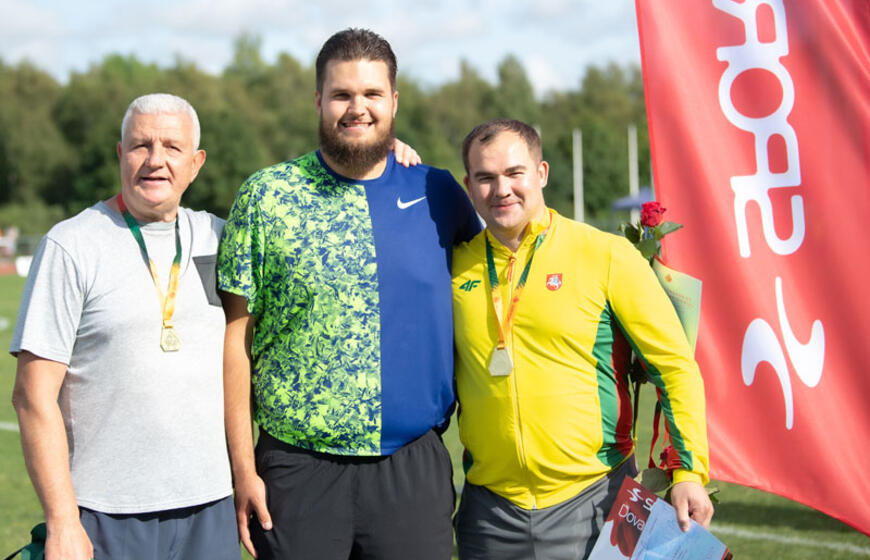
(405,154)
(691,500)
(67,541)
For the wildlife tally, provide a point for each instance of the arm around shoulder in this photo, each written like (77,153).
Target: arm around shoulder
(405,154)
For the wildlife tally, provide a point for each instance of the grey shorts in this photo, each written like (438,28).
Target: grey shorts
(204,532)
(490,527)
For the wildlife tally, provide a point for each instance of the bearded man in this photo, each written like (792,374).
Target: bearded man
(334,269)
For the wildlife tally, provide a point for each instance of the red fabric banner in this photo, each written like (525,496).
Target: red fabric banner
(759,114)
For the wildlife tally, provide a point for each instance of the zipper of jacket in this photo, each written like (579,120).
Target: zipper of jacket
(516,398)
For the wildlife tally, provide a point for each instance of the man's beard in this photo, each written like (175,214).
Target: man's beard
(356,159)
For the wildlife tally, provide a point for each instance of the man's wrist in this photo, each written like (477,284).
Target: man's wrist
(683,475)
(243,468)
(69,517)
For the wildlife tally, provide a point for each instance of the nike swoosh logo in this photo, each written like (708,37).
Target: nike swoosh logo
(404,205)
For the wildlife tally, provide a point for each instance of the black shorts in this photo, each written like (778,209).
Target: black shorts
(346,507)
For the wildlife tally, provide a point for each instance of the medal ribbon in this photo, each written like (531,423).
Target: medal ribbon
(167,303)
(505,325)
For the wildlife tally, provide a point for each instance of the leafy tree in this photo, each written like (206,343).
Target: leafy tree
(57,142)
(33,153)
(234,152)
(416,126)
(32,217)
(284,99)
(608,100)
(456,108)
(247,62)
(88,114)
(229,134)
(515,96)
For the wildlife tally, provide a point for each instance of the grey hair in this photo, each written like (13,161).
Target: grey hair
(161,103)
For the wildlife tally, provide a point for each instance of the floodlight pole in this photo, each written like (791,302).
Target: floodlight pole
(579,214)
(633,175)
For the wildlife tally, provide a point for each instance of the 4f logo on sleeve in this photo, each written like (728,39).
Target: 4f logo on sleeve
(469,285)
(554,281)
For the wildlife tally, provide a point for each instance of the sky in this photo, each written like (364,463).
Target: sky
(555,40)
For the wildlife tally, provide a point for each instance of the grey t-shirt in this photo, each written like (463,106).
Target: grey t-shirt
(145,427)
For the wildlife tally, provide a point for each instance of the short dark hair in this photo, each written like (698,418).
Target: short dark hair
(355,44)
(490,129)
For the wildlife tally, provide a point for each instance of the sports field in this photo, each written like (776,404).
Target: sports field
(754,524)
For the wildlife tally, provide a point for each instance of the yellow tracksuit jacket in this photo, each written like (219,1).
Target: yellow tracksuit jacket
(562,419)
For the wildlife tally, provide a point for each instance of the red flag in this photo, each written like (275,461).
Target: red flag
(759,114)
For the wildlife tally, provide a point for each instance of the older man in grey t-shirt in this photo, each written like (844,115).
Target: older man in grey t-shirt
(119,342)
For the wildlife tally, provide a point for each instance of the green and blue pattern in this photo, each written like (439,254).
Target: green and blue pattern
(299,246)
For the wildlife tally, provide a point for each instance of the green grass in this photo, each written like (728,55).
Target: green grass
(741,509)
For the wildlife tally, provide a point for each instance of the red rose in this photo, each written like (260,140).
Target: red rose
(651,214)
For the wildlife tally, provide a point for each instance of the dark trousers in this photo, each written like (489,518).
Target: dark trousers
(490,527)
(327,507)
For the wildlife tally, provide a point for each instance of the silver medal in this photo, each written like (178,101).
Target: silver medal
(500,362)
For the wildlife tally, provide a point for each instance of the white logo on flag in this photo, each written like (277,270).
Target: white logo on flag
(760,343)
(756,55)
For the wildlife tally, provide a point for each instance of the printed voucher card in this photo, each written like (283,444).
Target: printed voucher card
(641,526)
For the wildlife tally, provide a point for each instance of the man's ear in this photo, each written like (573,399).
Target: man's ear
(198,160)
(465,180)
(118,150)
(543,173)
(317,99)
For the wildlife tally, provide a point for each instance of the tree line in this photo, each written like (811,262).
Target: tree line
(57,141)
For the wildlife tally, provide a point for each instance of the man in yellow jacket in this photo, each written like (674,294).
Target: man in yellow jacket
(547,312)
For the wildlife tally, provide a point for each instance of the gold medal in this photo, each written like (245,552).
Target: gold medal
(169,341)
(500,363)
